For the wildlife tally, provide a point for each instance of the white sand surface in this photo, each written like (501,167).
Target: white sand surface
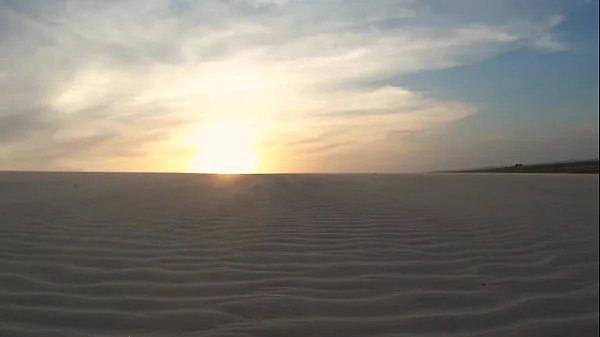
(298,255)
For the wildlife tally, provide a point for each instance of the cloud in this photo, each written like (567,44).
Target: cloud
(96,81)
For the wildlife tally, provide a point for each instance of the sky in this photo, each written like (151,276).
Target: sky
(272,86)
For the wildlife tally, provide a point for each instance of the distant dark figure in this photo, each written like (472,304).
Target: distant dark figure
(518,165)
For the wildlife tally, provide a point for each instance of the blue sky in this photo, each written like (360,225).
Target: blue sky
(296,86)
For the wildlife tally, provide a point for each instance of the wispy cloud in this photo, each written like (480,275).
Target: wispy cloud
(124,83)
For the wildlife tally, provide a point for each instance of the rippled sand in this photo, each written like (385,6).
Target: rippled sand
(298,255)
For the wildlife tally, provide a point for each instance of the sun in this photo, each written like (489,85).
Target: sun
(226,147)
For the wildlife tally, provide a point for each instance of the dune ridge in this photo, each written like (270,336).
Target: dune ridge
(90,254)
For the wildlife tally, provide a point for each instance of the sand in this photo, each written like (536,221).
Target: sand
(298,255)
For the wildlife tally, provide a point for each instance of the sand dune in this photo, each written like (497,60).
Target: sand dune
(298,255)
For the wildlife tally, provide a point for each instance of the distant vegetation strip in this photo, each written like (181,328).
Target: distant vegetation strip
(585,166)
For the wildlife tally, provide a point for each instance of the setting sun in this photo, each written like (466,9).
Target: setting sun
(226,148)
